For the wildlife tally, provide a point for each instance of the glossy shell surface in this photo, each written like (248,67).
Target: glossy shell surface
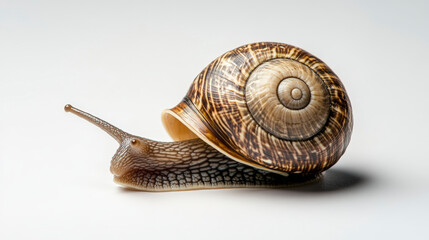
(270,105)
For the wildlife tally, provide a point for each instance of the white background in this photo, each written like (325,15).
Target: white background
(126,61)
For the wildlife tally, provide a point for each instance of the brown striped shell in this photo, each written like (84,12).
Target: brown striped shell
(270,105)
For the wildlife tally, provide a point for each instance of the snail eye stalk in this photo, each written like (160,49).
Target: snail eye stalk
(113,131)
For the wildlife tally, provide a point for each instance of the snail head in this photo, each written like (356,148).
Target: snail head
(133,152)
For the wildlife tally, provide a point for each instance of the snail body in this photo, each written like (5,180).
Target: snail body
(264,114)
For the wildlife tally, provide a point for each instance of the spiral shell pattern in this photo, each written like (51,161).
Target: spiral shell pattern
(270,105)
(287,99)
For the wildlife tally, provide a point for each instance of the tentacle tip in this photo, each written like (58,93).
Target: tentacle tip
(68,107)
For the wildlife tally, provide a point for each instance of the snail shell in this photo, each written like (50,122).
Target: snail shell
(269,105)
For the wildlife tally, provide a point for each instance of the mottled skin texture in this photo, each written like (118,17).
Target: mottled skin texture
(161,166)
(147,165)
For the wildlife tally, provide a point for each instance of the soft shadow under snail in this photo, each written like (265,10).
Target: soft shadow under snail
(261,115)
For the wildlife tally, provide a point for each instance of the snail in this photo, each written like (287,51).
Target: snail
(261,115)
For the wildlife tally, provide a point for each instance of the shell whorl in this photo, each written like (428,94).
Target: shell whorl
(287,99)
(270,105)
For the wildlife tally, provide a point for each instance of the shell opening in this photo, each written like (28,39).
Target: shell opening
(177,130)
